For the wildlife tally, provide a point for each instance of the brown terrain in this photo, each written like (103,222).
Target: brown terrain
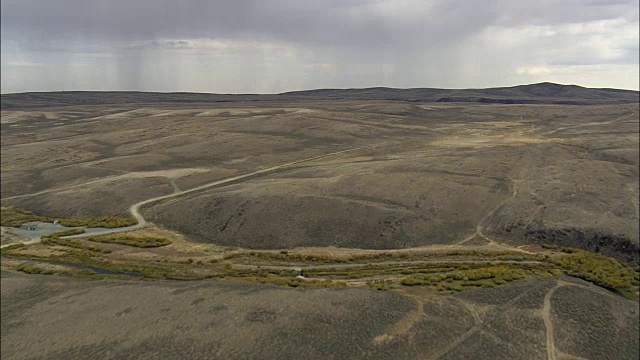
(355,189)
(418,173)
(65,319)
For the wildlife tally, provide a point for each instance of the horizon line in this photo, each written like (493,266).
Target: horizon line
(314,89)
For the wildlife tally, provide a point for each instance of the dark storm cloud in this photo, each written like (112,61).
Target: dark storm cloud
(402,25)
(350,21)
(342,23)
(288,44)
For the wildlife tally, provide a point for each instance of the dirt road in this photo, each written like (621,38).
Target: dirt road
(382,263)
(142,222)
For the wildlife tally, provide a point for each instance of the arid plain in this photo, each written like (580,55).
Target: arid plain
(411,175)
(353,193)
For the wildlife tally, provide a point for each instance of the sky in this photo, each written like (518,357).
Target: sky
(272,46)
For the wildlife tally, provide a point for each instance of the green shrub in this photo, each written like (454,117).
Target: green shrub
(69,232)
(101,222)
(10,247)
(547,275)
(499,281)
(293,282)
(141,242)
(410,281)
(455,287)
(456,275)
(54,240)
(14,217)
(379,286)
(471,277)
(599,269)
(282,256)
(25,268)
(436,278)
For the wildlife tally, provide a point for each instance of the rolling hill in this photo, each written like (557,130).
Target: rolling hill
(541,93)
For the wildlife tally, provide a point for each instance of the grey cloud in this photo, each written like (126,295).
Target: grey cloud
(554,12)
(355,24)
(334,23)
(153,44)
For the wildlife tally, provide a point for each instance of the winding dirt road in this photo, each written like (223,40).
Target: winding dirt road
(381,263)
(548,322)
(142,222)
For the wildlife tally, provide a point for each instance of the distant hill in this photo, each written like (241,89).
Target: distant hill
(541,93)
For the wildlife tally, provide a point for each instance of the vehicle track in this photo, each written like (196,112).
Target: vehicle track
(548,322)
(552,352)
(175,187)
(478,327)
(471,309)
(382,263)
(588,124)
(142,222)
(481,223)
(403,327)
